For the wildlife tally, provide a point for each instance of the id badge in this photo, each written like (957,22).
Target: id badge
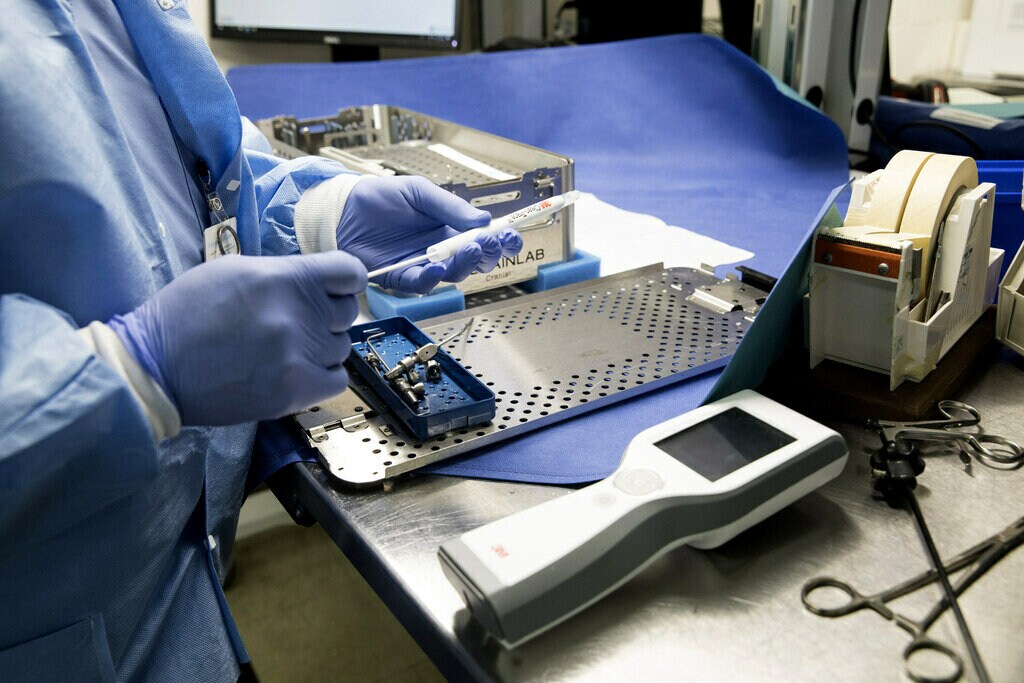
(221,239)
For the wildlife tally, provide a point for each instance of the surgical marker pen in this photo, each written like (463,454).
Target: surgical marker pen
(445,248)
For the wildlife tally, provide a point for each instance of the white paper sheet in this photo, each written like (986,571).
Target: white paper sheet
(624,239)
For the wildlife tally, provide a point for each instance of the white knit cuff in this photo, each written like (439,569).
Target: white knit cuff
(318,213)
(163,416)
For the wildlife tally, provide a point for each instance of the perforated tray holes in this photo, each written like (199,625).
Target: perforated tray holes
(543,354)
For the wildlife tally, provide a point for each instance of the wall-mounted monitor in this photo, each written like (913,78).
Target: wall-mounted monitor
(416,24)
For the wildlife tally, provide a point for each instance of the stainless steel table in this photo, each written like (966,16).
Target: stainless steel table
(731,614)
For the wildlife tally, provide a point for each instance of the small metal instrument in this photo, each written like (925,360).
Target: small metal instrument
(957,415)
(979,558)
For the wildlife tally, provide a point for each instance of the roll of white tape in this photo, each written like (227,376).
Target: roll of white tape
(889,198)
(938,183)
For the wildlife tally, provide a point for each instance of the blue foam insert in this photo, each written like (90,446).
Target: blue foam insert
(583,266)
(383,304)
(682,127)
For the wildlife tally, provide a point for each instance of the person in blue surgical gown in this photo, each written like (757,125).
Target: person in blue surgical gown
(133,370)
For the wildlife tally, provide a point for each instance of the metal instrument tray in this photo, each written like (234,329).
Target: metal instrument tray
(548,356)
(489,171)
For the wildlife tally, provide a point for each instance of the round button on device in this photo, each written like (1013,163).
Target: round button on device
(638,482)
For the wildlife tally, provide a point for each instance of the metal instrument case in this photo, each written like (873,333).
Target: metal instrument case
(489,171)
(455,401)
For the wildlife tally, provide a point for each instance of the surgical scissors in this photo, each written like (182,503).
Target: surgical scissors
(982,556)
(957,415)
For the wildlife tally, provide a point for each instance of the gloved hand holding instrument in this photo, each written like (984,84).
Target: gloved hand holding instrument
(246,338)
(387,220)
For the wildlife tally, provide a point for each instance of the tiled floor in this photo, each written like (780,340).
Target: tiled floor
(306,614)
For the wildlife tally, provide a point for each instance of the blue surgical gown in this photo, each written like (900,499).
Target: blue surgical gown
(111,544)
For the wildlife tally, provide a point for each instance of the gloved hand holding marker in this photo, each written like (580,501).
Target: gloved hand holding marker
(393,220)
(445,249)
(270,334)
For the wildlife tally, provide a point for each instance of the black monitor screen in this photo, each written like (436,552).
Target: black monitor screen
(383,23)
(724,443)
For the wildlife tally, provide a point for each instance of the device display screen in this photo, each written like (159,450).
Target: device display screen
(437,18)
(724,443)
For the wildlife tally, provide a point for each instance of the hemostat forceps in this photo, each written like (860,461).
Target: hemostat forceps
(957,415)
(982,556)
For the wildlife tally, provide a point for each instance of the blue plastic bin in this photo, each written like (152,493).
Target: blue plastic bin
(1008,219)
(458,399)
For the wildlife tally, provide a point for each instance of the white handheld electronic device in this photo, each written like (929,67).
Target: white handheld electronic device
(697,479)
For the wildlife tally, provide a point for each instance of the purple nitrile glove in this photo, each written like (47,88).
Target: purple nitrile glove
(390,219)
(245,338)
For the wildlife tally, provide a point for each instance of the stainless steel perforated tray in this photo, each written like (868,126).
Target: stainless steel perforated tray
(549,356)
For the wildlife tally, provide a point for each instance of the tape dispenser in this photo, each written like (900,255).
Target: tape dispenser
(910,269)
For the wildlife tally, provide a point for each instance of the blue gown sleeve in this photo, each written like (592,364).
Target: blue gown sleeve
(73,439)
(254,140)
(279,183)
